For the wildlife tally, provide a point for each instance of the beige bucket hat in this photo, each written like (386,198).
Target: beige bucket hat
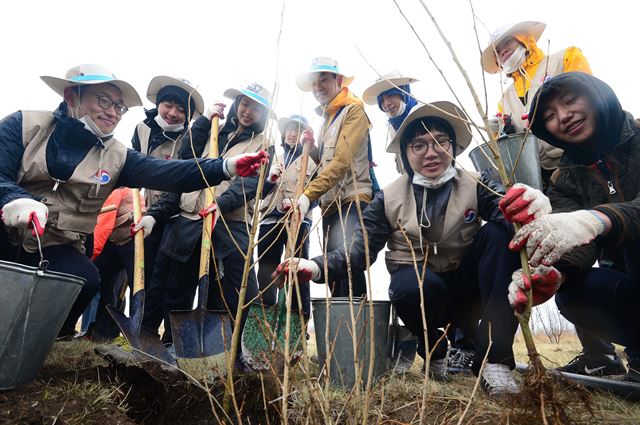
(529,28)
(386,82)
(161,81)
(321,64)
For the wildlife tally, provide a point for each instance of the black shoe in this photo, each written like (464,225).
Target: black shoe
(594,365)
(460,361)
(633,375)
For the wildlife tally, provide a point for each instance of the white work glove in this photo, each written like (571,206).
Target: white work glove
(284,205)
(145,224)
(522,204)
(307,137)
(22,211)
(217,109)
(275,173)
(246,164)
(494,125)
(548,238)
(546,281)
(306,270)
(303,205)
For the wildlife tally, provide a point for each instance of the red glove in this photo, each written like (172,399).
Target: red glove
(307,137)
(523,204)
(546,281)
(211,209)
(306,270)
(246,165)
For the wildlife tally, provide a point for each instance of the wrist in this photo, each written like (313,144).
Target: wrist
(602,223)
(225,168)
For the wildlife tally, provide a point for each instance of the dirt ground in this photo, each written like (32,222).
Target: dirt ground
(75,386)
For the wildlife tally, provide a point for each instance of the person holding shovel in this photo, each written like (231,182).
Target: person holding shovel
(58,168)
(343,176)
(431,221)
(595,194)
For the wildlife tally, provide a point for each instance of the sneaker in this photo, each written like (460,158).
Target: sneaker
(119,351)
(633,375)
(460,361)
(497,380)
(438,370)
(594,364)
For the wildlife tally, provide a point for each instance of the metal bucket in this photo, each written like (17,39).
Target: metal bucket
(528,169)
(341,369)
(34,305)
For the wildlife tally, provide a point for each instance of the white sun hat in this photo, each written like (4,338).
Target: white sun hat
(530,28)
(386,82)
(298,120)
(254,91)
(91,74)
(321,64)
(444,110)
(161,81)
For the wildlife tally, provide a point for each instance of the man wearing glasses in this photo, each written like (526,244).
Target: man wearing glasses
(58,168)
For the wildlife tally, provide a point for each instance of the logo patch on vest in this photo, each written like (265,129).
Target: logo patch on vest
(470,216)
(102,176)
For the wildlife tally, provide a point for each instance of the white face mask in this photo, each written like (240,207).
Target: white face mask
(92,127)
(423,181)
(166,126)
(515,60)
(401,110)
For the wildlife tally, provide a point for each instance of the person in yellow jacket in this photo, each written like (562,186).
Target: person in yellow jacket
(343,171)
(513,50)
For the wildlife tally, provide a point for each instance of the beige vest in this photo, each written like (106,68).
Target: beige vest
(191,203)
(167,150)
(457,234)
(286,185)
(75,204)
(344,188)
(121,233)
(511,103)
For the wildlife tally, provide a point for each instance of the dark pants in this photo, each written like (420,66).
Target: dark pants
(479,284)
(155,280)
(338,230)
(223,288)
(272,240)
(604,304)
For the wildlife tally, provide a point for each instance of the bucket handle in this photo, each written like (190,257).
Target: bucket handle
(38,230)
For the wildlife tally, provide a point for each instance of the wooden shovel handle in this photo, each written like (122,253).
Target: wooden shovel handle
(207,222)
(138,241)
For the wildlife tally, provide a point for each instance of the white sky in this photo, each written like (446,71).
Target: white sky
(222,44)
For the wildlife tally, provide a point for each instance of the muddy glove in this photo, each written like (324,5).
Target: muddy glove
(307,270)
(284,205)
(275,172)
(546,281)
(550,237)
(303,205)
(215,110)
(22,211)
(145,224)
(522,204)
(245,165)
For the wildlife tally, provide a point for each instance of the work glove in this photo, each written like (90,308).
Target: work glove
(211,209)
(303,205)
(494,125)
(284,205)
(307,137)
(215,110)
(145,224)
(306,270)
(522,204)
(275,173)
(245,165)
(546,281)
(26,213)
(548,238)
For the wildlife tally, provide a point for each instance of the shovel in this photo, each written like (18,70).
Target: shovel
(263,337)
(202,337)
(145,344)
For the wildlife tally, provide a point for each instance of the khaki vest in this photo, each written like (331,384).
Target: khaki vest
(344,188)
(75,204)
(457,234)
(167,150)
(191,203)
(511,103)
(121,233)
(286,185)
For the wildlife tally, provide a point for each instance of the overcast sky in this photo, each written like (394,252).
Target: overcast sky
(222,44)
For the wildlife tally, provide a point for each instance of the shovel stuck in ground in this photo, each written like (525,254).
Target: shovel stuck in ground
(145,344)
(202,337)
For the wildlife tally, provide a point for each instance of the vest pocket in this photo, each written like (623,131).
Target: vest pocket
(75,223)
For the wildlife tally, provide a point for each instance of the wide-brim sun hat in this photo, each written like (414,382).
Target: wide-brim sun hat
(386,82)
(92,74)
(255,92)
(444,110)
(318,65)
(161,81)
(527,28)
(298,120)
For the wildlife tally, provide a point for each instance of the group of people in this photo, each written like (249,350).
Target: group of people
(448,231)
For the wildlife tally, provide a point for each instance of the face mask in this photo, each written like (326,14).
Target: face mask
(423,181)
(401,110)
(92,127)
(515,60)
(166,126)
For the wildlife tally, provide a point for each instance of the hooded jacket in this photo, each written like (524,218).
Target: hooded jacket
(604,177)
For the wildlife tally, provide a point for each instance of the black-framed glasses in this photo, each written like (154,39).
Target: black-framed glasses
(438,146)
(105,102)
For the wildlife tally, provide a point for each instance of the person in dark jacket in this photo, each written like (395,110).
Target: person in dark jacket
(595,194)
(430,220)
(243,131)
(58,168)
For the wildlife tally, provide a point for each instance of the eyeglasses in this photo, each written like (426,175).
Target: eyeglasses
(438,146)
(105,102)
